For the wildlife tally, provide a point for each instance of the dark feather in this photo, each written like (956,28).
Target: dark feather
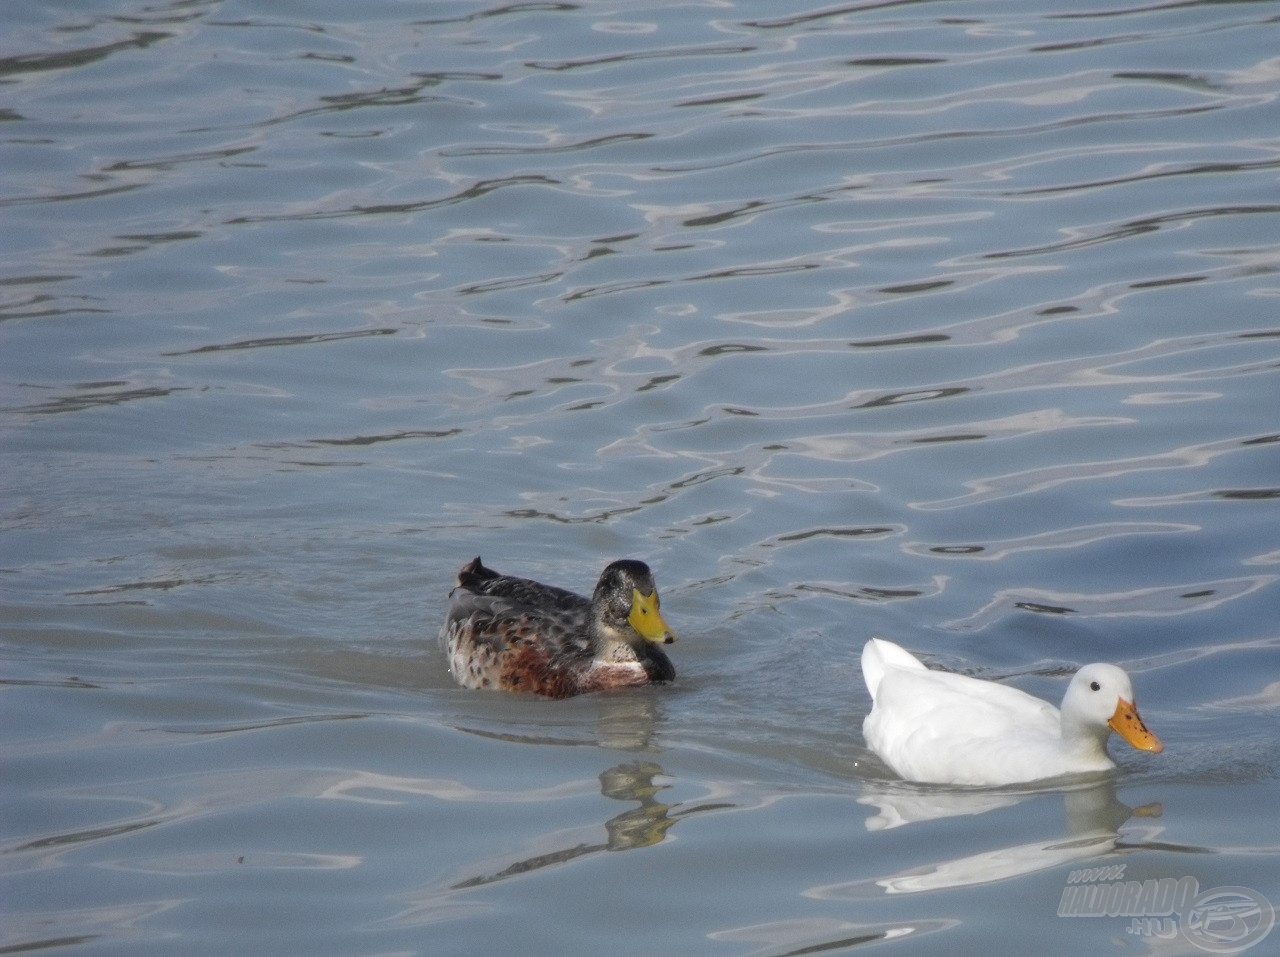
(521,635)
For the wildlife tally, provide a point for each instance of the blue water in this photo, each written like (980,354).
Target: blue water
(950,322)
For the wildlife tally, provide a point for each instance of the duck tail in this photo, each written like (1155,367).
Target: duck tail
(473,572)
(879,654)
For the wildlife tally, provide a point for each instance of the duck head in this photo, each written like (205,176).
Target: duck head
(1100,698)
(626,600)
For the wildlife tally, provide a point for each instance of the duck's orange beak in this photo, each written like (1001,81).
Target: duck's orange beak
(1127,723)
(646,619)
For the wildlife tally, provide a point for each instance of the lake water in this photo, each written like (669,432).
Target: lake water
(953,322)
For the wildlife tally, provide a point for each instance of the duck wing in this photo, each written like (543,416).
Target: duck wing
(475,579)
(499,622)
(944,728)
(511,632)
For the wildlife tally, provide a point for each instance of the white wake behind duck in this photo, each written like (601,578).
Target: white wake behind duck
(935,727)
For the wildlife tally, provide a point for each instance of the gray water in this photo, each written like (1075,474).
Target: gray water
(953,322)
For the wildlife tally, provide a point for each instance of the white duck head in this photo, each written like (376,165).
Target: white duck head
(1099,700)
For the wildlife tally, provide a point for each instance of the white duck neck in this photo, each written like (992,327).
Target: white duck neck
(1082,737)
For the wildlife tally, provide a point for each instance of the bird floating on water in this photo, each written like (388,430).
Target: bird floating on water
(935,727)
(517,634)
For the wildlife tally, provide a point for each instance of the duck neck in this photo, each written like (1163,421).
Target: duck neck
(614,645)
(1082,739)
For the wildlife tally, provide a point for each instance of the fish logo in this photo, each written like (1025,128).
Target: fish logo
(1225,920)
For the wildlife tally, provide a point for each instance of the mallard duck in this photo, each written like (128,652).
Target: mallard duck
(520,635)
(935,727)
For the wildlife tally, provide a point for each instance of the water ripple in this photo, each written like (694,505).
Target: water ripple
(1041,479)
(1159,602)
(952,322)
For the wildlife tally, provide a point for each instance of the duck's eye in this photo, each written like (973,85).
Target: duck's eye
(1094,686)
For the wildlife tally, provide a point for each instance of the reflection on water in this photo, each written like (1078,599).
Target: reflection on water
(906,804)
(622,721)
(642,826)
(84,925)
(1092,817)
(791,938)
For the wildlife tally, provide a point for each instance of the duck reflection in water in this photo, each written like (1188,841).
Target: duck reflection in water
(1092,818)
(641,826)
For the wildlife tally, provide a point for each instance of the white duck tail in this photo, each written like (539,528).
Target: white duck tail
(878,654)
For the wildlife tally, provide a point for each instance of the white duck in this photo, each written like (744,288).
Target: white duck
(935,727)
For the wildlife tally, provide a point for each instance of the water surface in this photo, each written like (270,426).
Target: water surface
(951,322)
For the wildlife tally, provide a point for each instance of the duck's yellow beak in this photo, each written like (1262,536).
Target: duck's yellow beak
(646,619)
(1127,723)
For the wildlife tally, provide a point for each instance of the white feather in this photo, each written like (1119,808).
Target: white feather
(942,728)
